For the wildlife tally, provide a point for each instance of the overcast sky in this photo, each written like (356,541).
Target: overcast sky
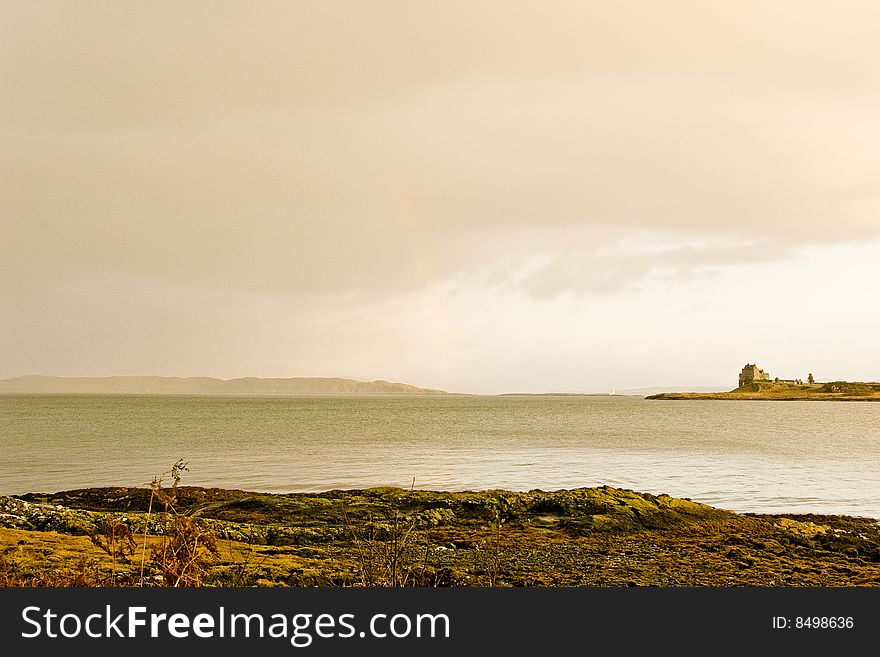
(477,196)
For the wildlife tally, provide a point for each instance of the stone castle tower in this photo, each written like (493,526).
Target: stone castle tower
(751,373)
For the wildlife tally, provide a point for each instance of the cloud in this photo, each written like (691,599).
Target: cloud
(183,63)
(626,265)
(386,198)
(337,155)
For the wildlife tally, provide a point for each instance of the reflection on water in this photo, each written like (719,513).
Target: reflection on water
(748,456)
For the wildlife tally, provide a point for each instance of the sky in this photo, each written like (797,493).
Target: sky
(475,196)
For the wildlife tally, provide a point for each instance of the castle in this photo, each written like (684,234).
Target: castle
(752,373)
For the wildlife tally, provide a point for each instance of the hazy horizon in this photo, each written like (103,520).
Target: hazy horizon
(477,196)
(718,387)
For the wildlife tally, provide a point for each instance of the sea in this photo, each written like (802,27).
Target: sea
(748,456)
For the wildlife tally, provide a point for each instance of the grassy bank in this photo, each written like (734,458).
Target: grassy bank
(393,537)
(781,391)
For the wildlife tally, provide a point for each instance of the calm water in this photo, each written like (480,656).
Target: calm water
(747,456)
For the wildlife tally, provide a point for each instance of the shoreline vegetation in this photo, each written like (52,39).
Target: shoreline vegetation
(190,536)
(784,391)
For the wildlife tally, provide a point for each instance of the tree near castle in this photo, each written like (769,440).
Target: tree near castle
(810,379)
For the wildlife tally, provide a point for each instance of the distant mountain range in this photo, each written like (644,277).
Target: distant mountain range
(203,385)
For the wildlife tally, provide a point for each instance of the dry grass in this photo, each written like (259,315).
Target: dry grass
(50,559)
(389,551)
(186,551)
(38,558)
(183,554)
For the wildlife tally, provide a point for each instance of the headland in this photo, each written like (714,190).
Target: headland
(755,384)
(395,537)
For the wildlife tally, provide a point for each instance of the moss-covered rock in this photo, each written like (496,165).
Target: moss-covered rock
(586,536)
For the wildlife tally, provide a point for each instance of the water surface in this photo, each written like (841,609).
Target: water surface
(821,457)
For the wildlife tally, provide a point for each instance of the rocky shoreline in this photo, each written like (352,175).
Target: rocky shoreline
(388,536)
(845,391)
(739,396)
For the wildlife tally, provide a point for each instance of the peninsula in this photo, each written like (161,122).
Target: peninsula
(393,537)
(756,385)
